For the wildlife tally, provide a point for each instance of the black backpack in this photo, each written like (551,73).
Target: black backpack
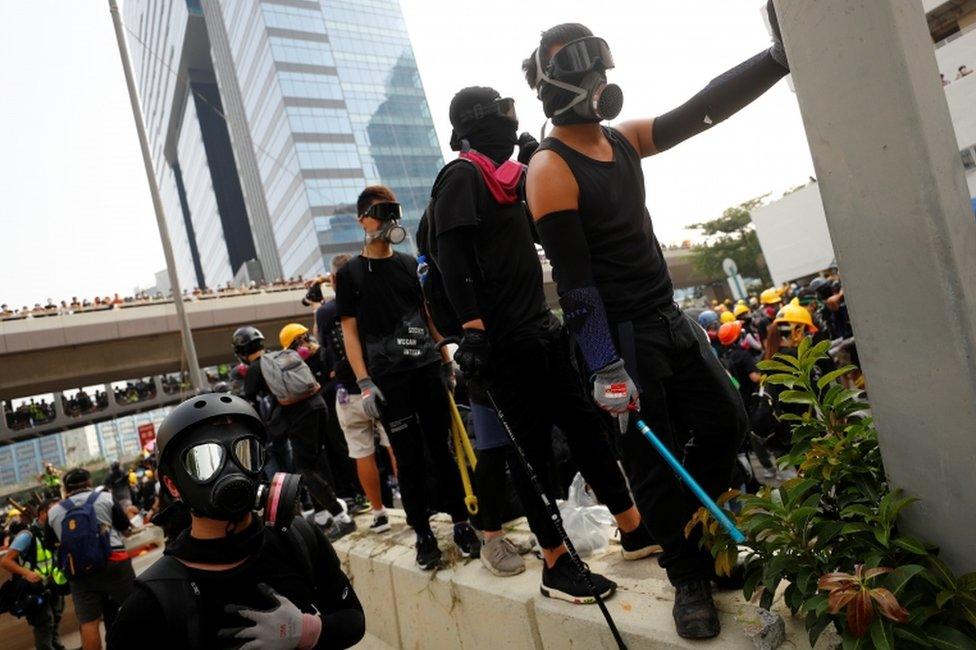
(180,606)
(435,295)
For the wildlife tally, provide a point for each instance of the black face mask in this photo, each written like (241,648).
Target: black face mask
(217,470)
(494,137)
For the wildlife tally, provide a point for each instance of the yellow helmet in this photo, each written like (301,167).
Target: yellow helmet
(740,309)
(13,512)
(770,297)
(289,333)
(727,317)
(796,314)
(133,478)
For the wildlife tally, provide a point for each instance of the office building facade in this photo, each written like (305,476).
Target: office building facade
(266,119)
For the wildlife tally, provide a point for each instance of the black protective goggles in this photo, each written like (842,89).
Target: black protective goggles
(205,460)
(386,211)
(503,107)
(582,55)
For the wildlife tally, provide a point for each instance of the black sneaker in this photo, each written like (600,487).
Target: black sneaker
(428,553)
(467,540)
(381,524)
(564,582)
(340,529)
(695,616)
(638,543)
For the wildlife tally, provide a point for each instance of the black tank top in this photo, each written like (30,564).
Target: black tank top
(628,265)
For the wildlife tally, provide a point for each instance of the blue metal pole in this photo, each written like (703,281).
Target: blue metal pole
(706,500)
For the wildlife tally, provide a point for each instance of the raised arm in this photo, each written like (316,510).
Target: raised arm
(724,96)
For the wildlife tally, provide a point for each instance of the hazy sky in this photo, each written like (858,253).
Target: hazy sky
(75,212)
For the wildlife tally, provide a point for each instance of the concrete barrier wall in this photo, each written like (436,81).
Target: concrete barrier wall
(464,606)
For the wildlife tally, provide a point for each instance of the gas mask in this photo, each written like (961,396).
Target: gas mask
(390,230)
(573,87)
(218,472)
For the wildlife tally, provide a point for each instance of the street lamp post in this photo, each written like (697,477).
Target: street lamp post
(196,377)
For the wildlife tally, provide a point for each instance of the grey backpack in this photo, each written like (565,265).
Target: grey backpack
(288,377)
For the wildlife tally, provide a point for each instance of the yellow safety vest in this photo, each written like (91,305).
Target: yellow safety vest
(44,562)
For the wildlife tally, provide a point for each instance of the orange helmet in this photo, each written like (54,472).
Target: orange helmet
(729,332)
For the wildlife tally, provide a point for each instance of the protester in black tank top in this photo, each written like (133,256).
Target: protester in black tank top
(482,242)
(585,189)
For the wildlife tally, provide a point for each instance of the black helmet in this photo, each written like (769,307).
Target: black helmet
(203,407)
(247,340)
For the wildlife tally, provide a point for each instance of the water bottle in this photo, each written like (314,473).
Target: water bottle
(422,268)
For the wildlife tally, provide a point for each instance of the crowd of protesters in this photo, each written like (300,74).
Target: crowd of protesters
(69,539)
(367,398)
(104,303)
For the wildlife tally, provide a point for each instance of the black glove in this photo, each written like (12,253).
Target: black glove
(527,146)
(776,51)
(473,354)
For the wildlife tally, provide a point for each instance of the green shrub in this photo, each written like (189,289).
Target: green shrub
(832,533)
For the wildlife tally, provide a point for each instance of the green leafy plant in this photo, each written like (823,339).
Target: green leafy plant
(831,534)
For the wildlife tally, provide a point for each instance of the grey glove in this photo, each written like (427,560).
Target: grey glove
(777,51)
(373,397)
(280,628)
(448,376)
(615,391)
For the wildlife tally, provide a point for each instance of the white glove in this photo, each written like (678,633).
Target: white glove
(282,628)
(614,391)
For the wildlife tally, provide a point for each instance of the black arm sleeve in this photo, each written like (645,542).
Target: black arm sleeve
(565,244)
(456,259)
(343,621)
(724,96)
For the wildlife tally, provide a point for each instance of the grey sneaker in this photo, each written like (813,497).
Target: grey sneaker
(501,557)
(340,529)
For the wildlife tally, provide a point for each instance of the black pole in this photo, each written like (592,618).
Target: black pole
(557,522)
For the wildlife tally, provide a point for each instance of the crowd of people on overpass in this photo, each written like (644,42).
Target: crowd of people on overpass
(142,298)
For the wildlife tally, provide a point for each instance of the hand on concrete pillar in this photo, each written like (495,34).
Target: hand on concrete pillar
(777,51)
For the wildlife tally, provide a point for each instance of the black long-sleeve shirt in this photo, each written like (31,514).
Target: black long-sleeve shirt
(142,624)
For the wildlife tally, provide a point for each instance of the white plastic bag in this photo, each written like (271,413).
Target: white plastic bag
(586,522)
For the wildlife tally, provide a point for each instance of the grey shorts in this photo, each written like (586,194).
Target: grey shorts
(357,427)
(89,593)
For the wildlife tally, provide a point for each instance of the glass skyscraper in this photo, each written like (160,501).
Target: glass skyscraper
(313,100)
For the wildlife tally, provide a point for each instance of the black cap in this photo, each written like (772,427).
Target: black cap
(465,100)
(76,478)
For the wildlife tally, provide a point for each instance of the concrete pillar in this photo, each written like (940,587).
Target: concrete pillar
(898,212)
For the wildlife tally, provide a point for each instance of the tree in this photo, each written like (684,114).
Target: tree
(732,235)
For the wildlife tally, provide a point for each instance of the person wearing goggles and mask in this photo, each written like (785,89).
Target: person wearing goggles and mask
(248,571)
(585,190)
(389,343)
(481,240)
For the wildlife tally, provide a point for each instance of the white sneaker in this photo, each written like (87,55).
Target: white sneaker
(323,518)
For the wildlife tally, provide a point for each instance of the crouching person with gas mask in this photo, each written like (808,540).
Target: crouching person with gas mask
(248,573)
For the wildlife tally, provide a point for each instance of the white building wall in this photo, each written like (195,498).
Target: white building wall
(793,235)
